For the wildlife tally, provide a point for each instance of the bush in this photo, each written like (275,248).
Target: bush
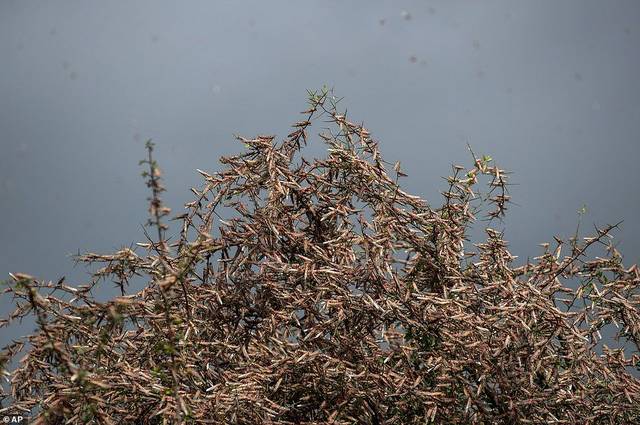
(332,296)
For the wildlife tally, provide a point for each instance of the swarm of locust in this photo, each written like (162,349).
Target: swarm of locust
(299,291)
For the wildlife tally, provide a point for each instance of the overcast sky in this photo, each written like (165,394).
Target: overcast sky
(549,89)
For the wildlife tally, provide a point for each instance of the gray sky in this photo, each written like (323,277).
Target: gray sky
(549,89)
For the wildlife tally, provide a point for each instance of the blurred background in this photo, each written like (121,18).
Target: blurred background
(548,89)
